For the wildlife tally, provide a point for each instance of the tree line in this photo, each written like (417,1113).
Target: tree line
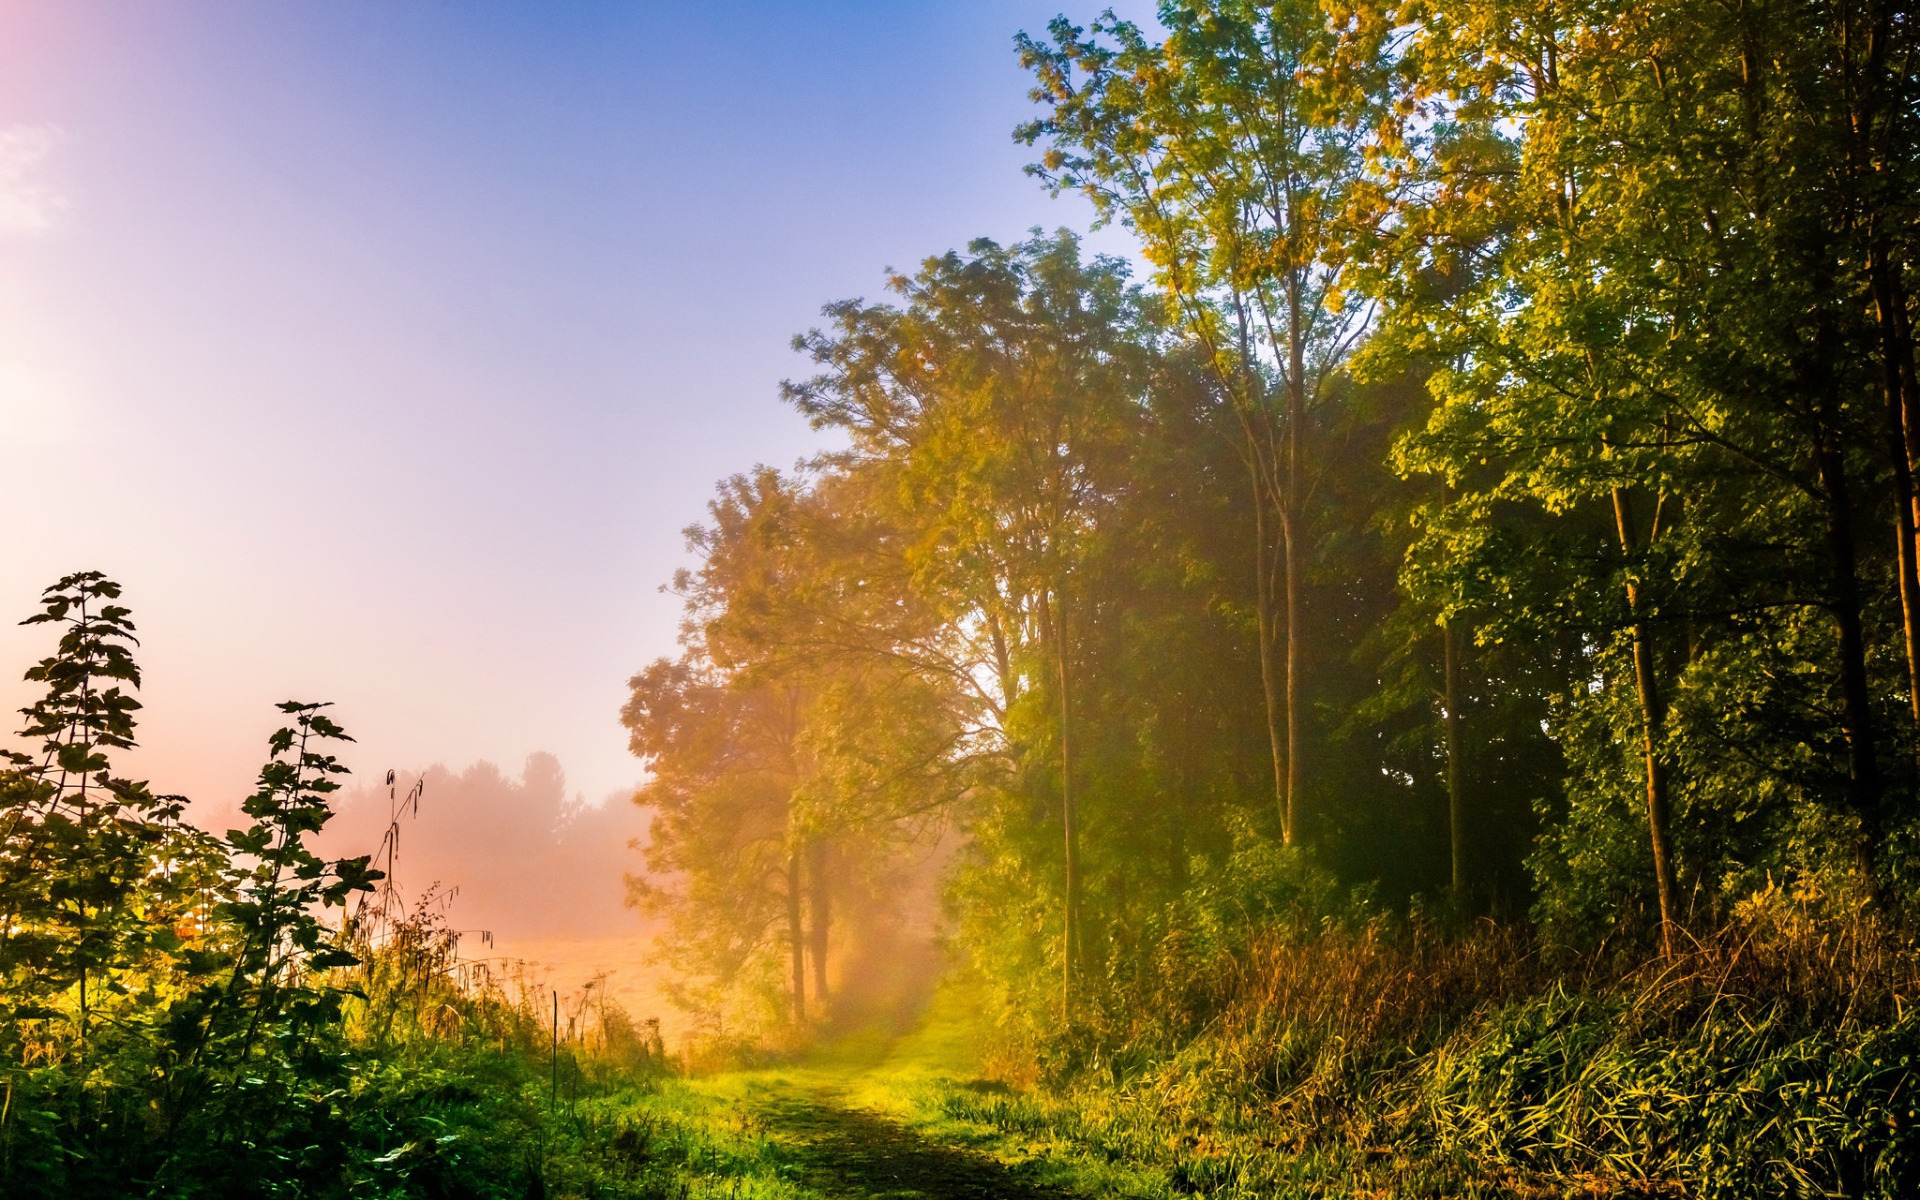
(1499,498)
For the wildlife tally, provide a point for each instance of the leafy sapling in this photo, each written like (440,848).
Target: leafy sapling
(92,867)
(255,1039)
(278,899)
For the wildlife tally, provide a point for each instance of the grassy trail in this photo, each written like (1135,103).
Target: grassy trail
(862,1117)
(834,1146)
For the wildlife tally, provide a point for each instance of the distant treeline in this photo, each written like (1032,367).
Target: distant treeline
(521,858)
(1498,501)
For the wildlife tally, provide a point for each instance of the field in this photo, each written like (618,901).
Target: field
(621,969)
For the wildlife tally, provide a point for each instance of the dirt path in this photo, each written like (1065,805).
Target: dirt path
(843,1151)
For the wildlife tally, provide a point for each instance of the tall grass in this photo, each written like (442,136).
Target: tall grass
(457,1080)
(1777,1057)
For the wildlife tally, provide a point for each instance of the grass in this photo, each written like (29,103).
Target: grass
(1781,1058)
(863,1112)
(857,1115)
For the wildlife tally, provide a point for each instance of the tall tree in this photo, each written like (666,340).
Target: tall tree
(806,731)
(1229,149)
(1001,402)
(722,772)
(1667,277)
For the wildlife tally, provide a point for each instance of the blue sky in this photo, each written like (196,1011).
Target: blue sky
(383,350)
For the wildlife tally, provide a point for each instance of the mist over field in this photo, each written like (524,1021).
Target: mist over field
(520,855)
(531,875)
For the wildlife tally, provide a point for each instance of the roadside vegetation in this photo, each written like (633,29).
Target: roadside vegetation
(184,1014)
(1418,695)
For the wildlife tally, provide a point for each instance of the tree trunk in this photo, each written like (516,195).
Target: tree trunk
(1054,627)
(1293,540)
(1002,661)
(1909,392)
(1653,716)
(1456,771)
(1909,423)
(1456,798)
(796,937)
(1868,91)
(1856,698)
(1891,353)
(1296,756)
(820,919)
(1269,669)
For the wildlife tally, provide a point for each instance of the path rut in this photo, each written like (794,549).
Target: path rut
(843,1151)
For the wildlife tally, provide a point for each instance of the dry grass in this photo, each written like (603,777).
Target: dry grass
(1778,1055)
(621,969)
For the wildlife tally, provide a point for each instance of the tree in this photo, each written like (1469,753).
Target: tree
(722,773)
(799,739)
(1229,150)
(1001,403)
(1656,328)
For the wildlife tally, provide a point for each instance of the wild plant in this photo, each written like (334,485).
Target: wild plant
(257,1028)
(1778,1056)
(104,888)
(182,1015)
(97,870)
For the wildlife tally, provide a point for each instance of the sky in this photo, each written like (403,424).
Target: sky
(383,350)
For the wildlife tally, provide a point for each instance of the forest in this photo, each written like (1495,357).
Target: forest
(1411,687)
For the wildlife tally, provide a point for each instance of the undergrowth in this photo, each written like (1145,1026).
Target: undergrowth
(1778,1057)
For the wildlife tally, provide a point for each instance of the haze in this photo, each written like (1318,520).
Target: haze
(402,339)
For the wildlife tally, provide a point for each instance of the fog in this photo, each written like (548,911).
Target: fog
(521,857)
(543,872)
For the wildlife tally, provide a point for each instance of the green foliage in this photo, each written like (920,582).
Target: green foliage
(1373,1058)
(188,1016)
(96,868)
(1512,477)
(1501,501)
(254,1040)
